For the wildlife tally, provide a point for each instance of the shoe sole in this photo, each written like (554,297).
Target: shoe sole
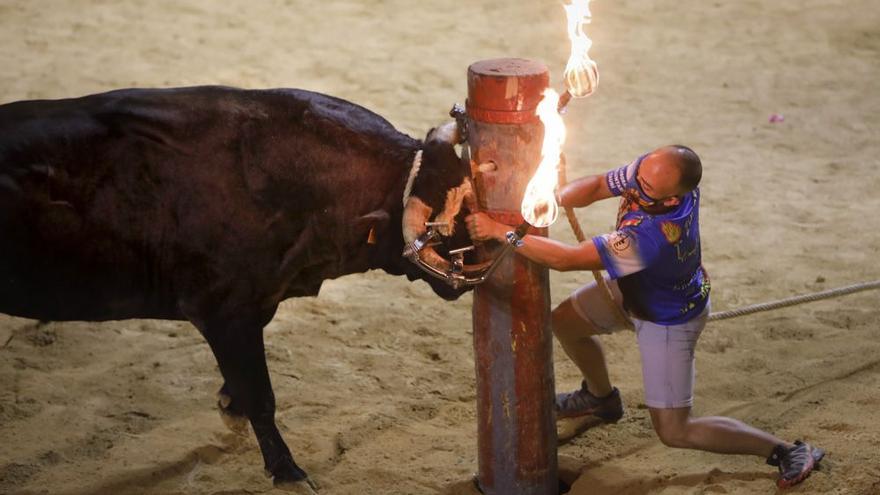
(816,455)
(605,418)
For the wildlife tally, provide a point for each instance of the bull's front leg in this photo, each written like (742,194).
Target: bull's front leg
(241,356)
(231,413)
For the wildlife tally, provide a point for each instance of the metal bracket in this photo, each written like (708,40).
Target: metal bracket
(458,259)
(455,276)
(411,251)
(459,113)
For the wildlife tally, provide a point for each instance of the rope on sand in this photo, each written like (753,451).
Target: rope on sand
(792,301)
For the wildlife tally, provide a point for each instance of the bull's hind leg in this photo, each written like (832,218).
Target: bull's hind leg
(242,360)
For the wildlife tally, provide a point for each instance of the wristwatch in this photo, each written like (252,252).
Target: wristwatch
(514,239)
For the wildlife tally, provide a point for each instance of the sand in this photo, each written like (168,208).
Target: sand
(374,377)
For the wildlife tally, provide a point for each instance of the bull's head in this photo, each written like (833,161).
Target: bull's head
(437,197)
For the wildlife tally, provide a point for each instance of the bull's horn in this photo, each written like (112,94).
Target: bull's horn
(415,214)
(447,133)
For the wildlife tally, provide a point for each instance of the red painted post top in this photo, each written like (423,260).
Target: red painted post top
(506,90)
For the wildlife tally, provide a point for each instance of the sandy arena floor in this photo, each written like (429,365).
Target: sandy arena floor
(374,377)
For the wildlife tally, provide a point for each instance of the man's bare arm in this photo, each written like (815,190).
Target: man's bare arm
(541,250)
(584,191)
(559,256)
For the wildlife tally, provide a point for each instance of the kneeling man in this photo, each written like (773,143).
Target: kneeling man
(659,284)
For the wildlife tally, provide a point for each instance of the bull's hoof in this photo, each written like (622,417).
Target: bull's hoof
(236,423)
(294,479)
(304,487)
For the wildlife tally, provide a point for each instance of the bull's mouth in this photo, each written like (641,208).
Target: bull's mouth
(420,236)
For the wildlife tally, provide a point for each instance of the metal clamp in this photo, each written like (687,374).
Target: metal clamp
(455,276)
(411,251)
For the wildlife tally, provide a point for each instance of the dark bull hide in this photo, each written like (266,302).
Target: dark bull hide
(211,205)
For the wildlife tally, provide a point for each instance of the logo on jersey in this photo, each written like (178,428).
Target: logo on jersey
(671,231)
(619,242)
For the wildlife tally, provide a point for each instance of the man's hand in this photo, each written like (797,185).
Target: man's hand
(482,228)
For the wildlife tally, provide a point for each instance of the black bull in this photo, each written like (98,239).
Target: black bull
(210,205)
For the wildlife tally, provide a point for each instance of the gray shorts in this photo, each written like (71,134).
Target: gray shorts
(667,350)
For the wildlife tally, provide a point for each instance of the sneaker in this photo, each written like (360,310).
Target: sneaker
(795,463)
(582,403)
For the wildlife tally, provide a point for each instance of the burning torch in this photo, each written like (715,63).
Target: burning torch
(581,72)
(581,76)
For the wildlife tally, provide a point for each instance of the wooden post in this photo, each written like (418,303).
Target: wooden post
(511,312)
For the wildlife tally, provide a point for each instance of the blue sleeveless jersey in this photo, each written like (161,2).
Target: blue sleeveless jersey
(655,258)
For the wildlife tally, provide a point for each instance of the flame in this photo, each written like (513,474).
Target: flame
(581,73)
(539,206)
(581,76)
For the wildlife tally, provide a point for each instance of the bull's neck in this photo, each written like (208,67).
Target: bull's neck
(387,252)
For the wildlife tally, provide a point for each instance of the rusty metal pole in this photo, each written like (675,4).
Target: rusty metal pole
(511,311)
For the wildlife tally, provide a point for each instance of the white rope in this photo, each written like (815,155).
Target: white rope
(413,172)
(791,301)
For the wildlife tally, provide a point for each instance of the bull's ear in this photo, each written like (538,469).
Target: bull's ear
(373,224)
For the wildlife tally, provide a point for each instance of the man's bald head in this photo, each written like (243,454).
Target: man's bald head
(690,169)
(689,166)
(669,172)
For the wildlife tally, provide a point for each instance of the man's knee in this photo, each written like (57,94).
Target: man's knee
(671,427)
(568,325)
(672,437)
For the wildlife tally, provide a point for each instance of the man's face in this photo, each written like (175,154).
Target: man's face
(658,179)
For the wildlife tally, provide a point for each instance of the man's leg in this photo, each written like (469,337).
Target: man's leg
(576,323)
(668,372)
(677,428)
(579,341)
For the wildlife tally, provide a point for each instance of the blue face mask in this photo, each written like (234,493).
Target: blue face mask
(635,191)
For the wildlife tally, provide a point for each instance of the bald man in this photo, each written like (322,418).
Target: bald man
(657,279)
